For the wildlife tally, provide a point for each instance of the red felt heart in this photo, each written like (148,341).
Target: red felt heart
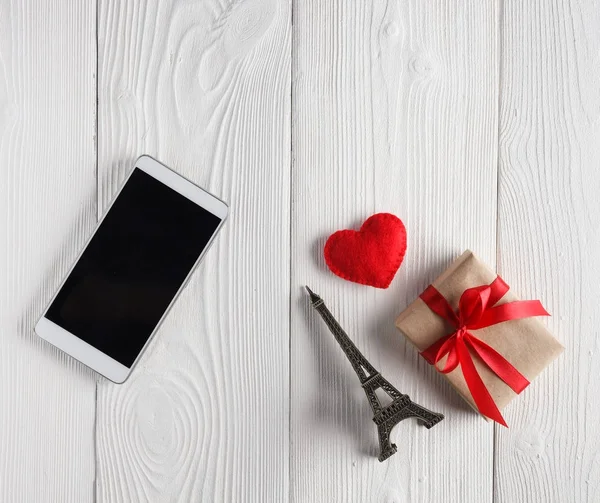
(370,256)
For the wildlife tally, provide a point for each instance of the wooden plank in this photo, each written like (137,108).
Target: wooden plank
(549,221)
(395,109)
(204,87)
(47,209)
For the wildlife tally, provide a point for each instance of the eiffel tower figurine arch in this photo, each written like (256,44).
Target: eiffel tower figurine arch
(401,406)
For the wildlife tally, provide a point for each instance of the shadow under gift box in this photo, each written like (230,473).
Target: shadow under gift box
(525,343)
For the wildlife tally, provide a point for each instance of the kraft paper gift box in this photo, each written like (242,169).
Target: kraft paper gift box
(525,343)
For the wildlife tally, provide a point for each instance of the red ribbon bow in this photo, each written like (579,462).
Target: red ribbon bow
(477,309)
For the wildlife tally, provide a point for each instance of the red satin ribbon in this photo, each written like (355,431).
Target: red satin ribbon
(477,309)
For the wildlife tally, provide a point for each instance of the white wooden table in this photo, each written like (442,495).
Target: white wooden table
(478,123)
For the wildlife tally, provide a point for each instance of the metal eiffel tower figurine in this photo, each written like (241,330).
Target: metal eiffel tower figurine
(385,417)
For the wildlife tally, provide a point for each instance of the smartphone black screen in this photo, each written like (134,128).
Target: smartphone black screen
(133,267)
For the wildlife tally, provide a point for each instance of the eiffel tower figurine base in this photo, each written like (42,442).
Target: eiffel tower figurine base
(371,380)
(395,412)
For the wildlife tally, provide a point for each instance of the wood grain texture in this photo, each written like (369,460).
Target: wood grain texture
(549,236)
(394,109)
(204,87)
(47,209)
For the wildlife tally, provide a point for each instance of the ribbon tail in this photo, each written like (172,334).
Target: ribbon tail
(498,364)
(481,396)
(452,361)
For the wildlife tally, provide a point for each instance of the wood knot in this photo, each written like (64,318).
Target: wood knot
(246,23)
(421,65)
(391,29)
(530,442)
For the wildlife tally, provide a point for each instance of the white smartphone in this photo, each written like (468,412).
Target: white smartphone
(132,269)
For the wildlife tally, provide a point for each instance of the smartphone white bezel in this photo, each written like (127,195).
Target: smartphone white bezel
(88,354)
